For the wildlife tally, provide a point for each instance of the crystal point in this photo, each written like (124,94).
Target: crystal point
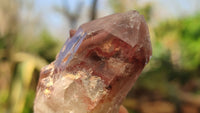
(96,67)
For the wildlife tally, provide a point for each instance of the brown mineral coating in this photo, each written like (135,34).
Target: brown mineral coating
(115,49)
(130,27)
(127,39)
(118,82)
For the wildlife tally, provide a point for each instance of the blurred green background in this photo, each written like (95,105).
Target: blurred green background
(33,31)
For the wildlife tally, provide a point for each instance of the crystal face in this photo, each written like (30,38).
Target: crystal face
(96,67)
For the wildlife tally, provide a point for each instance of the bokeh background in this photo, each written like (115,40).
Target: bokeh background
(33,31)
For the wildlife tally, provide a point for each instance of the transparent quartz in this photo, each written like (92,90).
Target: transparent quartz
(96,67)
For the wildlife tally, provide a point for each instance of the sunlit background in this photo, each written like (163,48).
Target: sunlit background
(33,31)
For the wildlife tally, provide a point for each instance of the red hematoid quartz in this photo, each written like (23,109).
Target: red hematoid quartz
(96,67)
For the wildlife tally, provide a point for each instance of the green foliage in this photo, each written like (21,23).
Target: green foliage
(28,108)
(2,42)
(117,5)
(46,46)
(190,42)
(188,39)
(27,58)
(146,11)
(131,111)
(121,6)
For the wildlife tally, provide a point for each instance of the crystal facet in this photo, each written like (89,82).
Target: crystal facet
(96,67)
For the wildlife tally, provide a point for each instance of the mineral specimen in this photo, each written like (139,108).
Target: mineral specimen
(96,67)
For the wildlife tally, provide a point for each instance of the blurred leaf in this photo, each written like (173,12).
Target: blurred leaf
(20,87)
(187,39)
(117,5)
(46,47)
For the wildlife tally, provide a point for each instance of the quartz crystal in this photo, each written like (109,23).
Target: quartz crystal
(96,67)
